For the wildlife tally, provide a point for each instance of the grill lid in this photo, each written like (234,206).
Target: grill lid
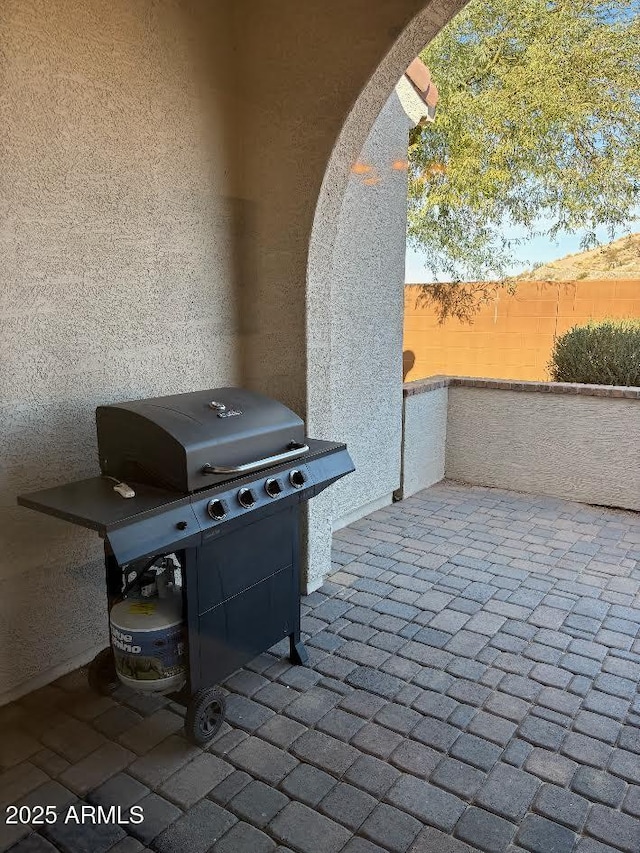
(192,441)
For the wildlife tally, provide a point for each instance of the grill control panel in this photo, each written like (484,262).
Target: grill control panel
(264,490)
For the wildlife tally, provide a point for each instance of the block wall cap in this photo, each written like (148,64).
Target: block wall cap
(432,383)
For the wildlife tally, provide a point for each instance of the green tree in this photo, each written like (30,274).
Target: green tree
(538,122)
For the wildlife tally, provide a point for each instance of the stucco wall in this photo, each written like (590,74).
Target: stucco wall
(424,438)
(579,442)
(367,284)
(117,257)
(300,71)
(583,448)
(365,299)
(168,168)
(359,37)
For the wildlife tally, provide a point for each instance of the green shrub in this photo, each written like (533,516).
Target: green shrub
(606,352)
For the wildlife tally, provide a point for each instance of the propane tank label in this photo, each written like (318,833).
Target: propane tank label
(149,655)
(142,608)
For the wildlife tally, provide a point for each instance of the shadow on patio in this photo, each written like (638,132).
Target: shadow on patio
(473,676)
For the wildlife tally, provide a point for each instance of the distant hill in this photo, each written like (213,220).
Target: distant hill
(620,259)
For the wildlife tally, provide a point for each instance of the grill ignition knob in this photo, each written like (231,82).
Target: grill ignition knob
(217,509)
(273,488)
(246,498)
(297,478)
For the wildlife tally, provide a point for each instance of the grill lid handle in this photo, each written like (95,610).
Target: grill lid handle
(295,450)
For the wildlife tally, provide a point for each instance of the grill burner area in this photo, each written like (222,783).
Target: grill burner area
(213,480)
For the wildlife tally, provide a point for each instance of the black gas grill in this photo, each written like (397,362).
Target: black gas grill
(215,479)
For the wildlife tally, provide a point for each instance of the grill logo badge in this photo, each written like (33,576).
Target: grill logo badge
(222,410)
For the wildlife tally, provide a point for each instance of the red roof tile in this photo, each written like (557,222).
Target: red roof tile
(420,77)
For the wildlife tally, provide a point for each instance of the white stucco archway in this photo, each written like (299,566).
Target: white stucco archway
(328,272)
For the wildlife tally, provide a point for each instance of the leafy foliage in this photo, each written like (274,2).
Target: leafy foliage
(538,120)
(603,353)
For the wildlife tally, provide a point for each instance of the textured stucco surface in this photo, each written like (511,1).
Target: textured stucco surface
(306,73)
(164,165)
(421,23)
(366,319)
(367,283)
(117,263)
(365,357)
(582,448)
(405,40)
(424,440)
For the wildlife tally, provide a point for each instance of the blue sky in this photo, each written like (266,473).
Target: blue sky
(533,251)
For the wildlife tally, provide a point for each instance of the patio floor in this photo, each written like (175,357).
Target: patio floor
(473,685)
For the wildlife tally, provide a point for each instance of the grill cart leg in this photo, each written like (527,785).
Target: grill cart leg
(205,713)
(297,652)
(102,673)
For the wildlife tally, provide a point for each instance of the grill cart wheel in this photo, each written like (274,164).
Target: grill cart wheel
(205,713)
(102,673)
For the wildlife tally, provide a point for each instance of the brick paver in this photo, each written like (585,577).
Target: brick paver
(473,685)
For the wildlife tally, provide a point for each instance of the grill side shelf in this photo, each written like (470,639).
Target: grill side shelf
(92,503)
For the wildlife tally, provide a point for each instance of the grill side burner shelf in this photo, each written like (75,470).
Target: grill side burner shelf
(237,541)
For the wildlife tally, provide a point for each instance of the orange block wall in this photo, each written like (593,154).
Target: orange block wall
(512,337)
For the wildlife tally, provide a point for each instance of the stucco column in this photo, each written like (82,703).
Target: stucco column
(357,331)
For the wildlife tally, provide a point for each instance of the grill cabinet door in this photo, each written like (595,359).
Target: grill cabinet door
(246,595)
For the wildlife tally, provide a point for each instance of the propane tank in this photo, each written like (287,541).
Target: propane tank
(147,637)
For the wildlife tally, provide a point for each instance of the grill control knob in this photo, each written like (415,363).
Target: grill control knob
(246,498)
(217,509)
(272,487)
(297,478)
